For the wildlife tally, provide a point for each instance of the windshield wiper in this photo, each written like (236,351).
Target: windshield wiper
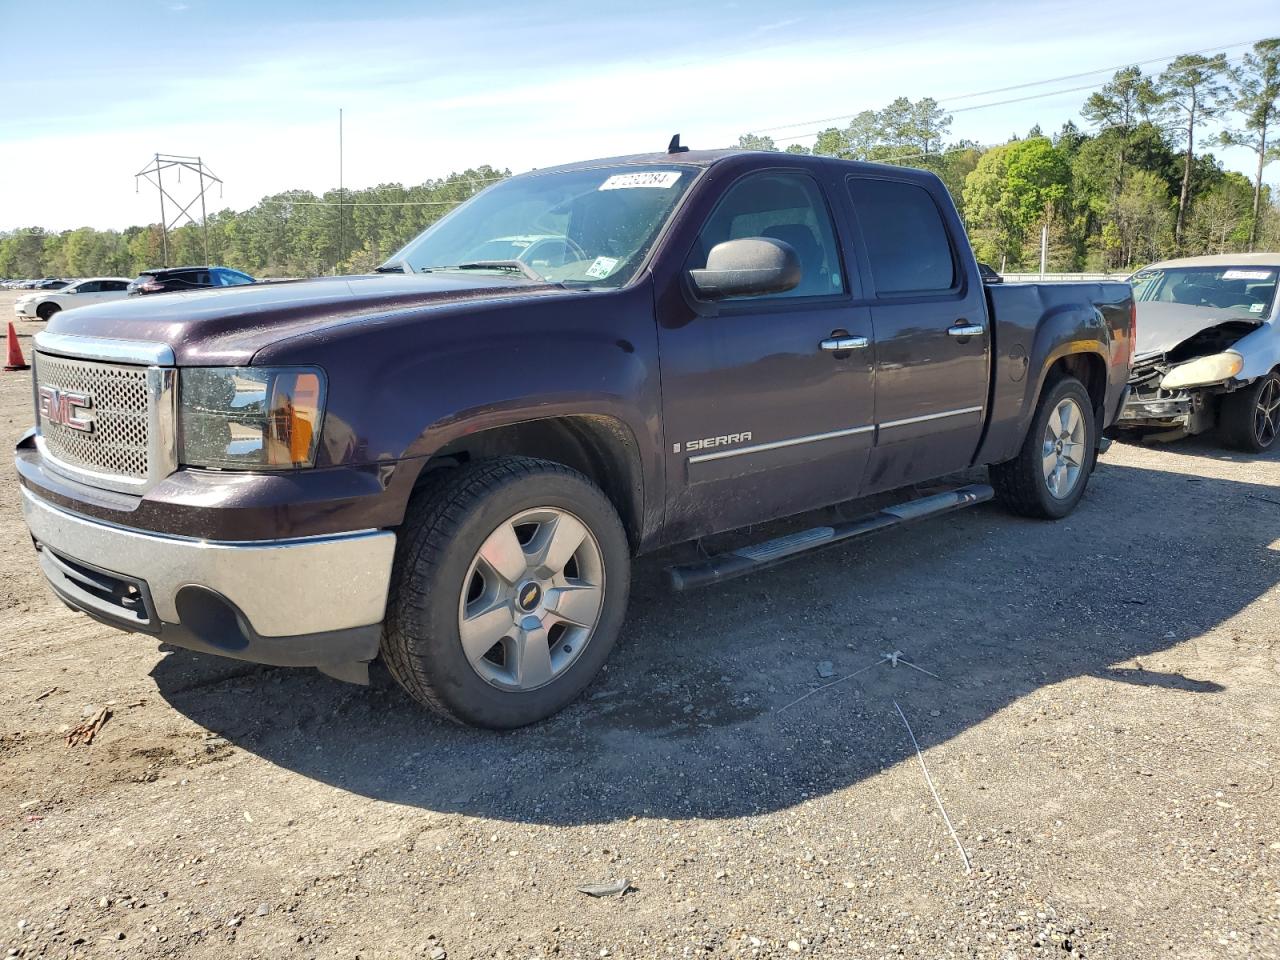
(400,266)
(517,265)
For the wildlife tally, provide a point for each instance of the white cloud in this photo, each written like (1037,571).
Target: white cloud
(272,119)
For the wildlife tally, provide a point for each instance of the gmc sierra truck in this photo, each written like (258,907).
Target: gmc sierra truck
(452,462)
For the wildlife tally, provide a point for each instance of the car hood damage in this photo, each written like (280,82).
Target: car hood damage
(1186,331)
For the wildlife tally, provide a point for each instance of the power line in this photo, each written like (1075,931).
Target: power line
(977,106)
(1017,86)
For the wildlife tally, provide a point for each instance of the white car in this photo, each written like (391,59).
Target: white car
(1208,350)
(43,304)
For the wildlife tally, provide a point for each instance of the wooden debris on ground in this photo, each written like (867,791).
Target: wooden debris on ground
(85,732)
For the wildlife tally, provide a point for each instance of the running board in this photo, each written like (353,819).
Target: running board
(758,556)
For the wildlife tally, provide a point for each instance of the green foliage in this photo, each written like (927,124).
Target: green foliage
(752,141)
(1014,190)
(290,234)
(1257,98)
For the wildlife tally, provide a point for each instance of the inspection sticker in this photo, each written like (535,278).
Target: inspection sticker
(602,267)
(662,179)
(1247,274)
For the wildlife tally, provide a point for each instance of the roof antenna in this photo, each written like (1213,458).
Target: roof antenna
(674,145)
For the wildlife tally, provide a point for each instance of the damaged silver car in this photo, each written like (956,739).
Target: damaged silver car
(1208,351)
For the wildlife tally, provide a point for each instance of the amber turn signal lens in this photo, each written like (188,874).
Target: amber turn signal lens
(294,419)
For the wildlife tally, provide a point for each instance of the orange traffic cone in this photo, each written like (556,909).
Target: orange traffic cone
(16,360)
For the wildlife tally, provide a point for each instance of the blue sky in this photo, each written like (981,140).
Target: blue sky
(428,88)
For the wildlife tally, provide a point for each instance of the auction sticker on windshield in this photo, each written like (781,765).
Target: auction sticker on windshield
(663,179)
(602,267)
(1246,275)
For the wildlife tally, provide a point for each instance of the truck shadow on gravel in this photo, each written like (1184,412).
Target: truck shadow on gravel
(696,714)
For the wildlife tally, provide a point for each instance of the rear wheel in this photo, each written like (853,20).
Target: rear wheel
(1049,475)
(47,310)
(1249,419)
(509,591)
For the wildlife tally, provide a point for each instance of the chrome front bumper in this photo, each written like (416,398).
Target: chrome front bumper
(314,601)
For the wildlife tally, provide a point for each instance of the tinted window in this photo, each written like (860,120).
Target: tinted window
(233,278)
(905,238)
(113,285)
(89,286)
(782,206)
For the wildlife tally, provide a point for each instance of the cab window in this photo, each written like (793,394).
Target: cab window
(781,206)
(905,238)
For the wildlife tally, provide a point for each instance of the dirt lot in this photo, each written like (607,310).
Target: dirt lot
(1101,719)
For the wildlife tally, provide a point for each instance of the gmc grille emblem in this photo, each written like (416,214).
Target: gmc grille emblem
(66,407)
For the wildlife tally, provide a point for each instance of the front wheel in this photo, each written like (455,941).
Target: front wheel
(1049,475)
(509,590)
(1249,419)
(47,310)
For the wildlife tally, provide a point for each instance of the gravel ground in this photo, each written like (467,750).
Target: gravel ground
(1099,717)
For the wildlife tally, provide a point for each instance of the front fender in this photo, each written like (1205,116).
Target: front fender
(1260,350)
(404,386)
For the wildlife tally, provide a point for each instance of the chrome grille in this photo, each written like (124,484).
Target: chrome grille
(117,446)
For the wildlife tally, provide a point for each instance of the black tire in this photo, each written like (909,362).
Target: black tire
(1020,483)
(444,529)
(47,310)
(1242,424)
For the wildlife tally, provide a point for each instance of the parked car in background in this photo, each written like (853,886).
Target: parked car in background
(172,279)
(43,304)
(51,283)
(1208,354)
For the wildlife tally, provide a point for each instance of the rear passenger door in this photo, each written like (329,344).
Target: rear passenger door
(932,342)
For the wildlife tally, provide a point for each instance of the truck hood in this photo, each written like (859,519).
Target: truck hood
(1162,326)
(227,326)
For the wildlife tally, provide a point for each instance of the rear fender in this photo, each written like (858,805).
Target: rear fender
(1022,369)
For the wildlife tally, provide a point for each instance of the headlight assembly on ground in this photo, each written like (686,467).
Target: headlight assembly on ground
(250,418)
(1206,370)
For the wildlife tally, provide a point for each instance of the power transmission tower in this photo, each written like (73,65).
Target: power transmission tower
(153,173)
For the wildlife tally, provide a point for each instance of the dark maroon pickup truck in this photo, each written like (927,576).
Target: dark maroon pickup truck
(452,462)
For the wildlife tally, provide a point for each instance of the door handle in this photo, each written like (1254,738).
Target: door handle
(840,344)
(963,328)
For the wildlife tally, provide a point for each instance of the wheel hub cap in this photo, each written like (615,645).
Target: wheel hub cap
(531,599)
(529,596)
(1063,450)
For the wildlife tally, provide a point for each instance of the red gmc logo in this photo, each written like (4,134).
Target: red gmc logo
(66,407)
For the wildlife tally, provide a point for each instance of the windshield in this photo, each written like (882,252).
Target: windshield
(582,226)
(1249,291)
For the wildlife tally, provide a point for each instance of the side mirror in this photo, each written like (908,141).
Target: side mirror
(749,267)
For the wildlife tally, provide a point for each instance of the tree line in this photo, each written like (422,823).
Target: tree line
(292,234)
(1135,181)
(1134,184)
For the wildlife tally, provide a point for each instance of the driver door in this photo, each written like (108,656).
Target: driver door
(763,416)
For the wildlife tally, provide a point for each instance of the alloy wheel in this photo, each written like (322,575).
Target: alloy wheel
(1063,453)
(1266,417)
(531,599)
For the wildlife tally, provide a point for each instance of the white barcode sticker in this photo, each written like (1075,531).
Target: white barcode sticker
(1246,274)
(662,179)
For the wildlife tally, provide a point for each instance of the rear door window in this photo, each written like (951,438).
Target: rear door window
(905,238)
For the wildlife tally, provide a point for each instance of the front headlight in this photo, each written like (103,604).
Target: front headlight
(250,418)
(1197,373)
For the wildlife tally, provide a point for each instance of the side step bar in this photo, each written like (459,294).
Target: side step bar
(758,556)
